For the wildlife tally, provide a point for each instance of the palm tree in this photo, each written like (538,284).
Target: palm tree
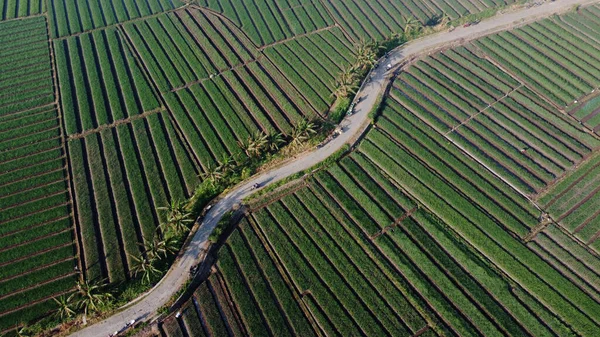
(302,132)
(366,55)
(445,19)
(180,224)
(65,305)
(274,141)
(144,266)
(174,209)
(226,165)
(345,84)
(412,25)
(23,331)
(213,174)
(91,297)
(156,247)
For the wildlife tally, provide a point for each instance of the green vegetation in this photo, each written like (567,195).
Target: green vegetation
(112,110)
(436,223)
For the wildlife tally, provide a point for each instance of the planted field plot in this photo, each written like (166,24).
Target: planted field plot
(493,117)
(186,46)
(215,114)
(100,82)
(571,258)
(37,258)
(406,150)
(588,112)
(365,19)
(351,254)
(312,63)
(556,58)
(269,21)
(69,17)
(120,176)
(25,66)
(573,202)
(10,9)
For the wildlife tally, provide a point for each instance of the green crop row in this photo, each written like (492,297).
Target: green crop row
(68,17)
(500,247)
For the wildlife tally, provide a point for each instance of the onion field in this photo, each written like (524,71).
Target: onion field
(100,81)
(37,251)
(270,21)
(70,17)
(470,207)
(406,235)
(493,117)
(557,58)
(10,9)
(120,176)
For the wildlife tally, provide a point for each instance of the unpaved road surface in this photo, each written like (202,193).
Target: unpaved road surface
(146,307)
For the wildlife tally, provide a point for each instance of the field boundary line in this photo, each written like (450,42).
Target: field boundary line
(314,32)
(219,73)
(489,106)
(116,123)
(118,24)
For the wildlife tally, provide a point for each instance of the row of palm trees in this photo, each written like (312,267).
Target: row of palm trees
(256,146)
(164,242)
(93,297)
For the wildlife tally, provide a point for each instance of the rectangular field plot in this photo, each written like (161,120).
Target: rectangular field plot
(557,58)
(186,46)
(377,20)
(37,254)
(588,112)
(493,117)
(120,176)
(10,9)
(25,70)
(100,82)
(311,63)
(269,21)
(569,257)
(573,202)
(69,17)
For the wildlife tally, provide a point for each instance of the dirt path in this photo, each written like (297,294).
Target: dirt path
(145,308)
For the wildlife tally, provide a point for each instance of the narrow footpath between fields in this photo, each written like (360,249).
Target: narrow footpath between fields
(145,308)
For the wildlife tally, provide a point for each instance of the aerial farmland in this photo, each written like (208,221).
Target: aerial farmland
(299,167)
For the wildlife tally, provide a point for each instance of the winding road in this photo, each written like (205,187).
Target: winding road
(145,307)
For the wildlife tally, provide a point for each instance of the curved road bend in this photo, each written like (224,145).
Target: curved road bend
(145,307)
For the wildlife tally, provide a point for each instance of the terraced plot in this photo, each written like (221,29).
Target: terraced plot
(312,63)
(100,82)
(270,21)
(187,46)
(493,117)
(573,202)
(10,9)
(25,73)
(120,176)
(37,248)
(69,17)
(557,58)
